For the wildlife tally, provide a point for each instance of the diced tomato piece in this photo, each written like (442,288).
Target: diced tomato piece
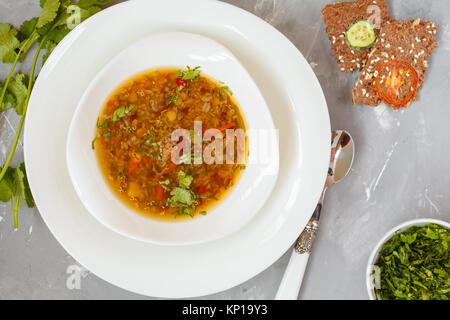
(169,168)
(201,189)
(180,82)
(147,160)
(185,110)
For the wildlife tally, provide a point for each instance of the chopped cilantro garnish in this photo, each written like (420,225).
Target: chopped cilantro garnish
(106,134)
(104,124)
(207,197)
(186,75)
(181,197)
(173,99)
(122,112)
(147,154)
(223,89)
(415,265)
(184,180)
(189,74)
(186,211)
(164,184)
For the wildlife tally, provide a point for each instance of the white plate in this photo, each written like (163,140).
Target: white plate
(295,100)
(175,49)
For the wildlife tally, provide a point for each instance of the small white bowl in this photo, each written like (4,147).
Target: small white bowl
(173,49)
(376,251)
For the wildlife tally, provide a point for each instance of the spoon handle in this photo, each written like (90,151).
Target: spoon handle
(293,276)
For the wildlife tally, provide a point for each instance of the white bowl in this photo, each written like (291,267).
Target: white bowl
(376,251)
(174,49)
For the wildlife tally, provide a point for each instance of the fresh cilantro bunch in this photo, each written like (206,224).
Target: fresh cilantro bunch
(57,18)
(415,265)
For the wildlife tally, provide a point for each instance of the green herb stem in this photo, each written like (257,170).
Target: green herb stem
(22,120)
(11,72)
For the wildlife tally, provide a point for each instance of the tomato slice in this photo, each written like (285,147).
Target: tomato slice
(396,83)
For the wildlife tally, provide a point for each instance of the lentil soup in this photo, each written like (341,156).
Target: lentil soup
(133,142)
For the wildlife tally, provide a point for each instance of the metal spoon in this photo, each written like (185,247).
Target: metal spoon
(342,154)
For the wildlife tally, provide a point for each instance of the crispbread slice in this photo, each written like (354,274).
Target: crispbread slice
(338,16)
(411,41)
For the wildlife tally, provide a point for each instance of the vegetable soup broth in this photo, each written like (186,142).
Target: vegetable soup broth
(133,142)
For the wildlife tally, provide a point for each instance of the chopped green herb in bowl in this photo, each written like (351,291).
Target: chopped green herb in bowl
(412,263)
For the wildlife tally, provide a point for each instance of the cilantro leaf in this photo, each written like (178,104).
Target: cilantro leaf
(18,88)
(8,43)
(189,74)
(14,188)
(122,112)
(172,99)
(88,3)
(185,211)
(8,186)
(27,28)
(181,197)
(184,180)
(223,89)
(8,101)
(49,12)
(74,13)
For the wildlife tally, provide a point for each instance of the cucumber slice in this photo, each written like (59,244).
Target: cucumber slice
(361,35)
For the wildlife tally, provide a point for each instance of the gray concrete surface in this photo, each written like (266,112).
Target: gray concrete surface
(401,171)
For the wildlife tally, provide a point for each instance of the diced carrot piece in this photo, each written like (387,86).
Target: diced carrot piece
(159,192)
(227,126)
(169,168)
(133,167)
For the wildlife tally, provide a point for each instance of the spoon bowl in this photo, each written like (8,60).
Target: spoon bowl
(342,155)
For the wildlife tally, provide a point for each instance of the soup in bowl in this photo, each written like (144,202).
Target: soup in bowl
(172,142)
(140,133)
